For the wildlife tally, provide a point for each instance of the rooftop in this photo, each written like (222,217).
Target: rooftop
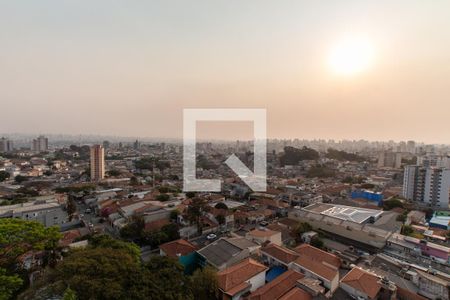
(219,252)
(362,281)
(319,262)
(233,279)
(342,212)
(177,248)
(282,254)
(277,287)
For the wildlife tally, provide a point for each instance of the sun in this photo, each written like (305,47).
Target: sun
(351,55)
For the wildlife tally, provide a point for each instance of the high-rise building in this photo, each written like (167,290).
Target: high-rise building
(6,145)
(430,186)
(40,144)
(411,147)
(136,145)
(433,160)
(97,163)
(390,159)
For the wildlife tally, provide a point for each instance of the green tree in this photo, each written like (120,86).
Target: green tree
(71,208)
(195,212)
(134,181)
(9,284)
(171,230)
(301,228)
(292,156)
(204,284)
(98,273)
(106,241)
(221,219)
(3,176)
(69,294)
(407,230)
(317,242)
(174,214)
(392,203)
(133,230)
(48,173)
(114,173)
(170,277)
(221,205)
(163,197)
(18,236)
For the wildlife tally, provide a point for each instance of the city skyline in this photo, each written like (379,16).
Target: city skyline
(131,70)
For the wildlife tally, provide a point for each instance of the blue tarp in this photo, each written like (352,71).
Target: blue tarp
(274,272)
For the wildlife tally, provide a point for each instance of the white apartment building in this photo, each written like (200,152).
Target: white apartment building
(433,160)
(390,160)
(40,144)
(429,186)
(6,145)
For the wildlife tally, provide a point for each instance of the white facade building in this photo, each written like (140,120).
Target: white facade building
(429,186)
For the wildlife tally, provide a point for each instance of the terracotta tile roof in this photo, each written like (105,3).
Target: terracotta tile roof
(232,279)
(318,254)
(317,261)
(362,281)
(296,294)
(156,225)
(263,233)
(283,254)
(288,222)
(277,287)
(69,237)
(178,247)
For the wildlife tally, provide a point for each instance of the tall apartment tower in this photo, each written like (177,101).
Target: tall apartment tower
(390,159)
(6,145)
(429,186)
(97,163)
(40,144)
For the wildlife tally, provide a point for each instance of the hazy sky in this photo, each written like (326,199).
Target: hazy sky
(130,67)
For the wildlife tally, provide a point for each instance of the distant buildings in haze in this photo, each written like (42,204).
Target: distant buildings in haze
(6,145)
(40,144)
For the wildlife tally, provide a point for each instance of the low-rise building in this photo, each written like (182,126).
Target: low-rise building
(46,210)
(264,235)
(361,284)
(318,264)
(226,252)
(279,287)
(240,279)
(430,286)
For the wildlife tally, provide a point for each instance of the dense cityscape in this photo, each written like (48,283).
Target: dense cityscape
(110,220)
(224,150)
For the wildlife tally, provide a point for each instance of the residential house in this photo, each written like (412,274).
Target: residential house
(264,235)
(226,252)
(182,251)
(318,264)
(279,287)
(244,277)
(361,284)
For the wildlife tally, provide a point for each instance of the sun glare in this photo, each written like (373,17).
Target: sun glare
(351,56)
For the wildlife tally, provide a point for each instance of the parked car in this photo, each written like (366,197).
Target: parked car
(211,236)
